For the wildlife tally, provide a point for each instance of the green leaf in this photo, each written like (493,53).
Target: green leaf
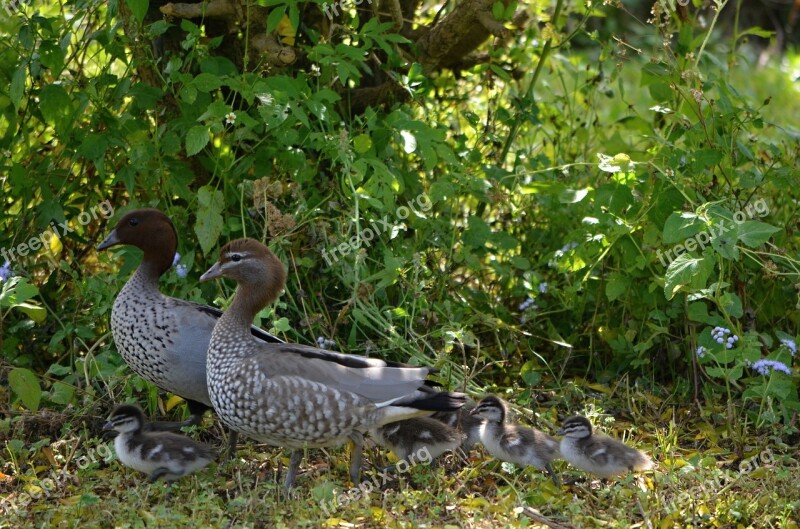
(732,305)
(617,285)
(698,311)
(477,232)
(26,386)
(754,233)
(206,82)
(196,139)
(686,270)
(680,226)
(274,18)
(56,106)
(138,8)
(209,217)
(708,157)
(362,143)
(34,312)
(17,86)
(61,393)
(497,10)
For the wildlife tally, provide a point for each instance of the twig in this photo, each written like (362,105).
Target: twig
(537,517)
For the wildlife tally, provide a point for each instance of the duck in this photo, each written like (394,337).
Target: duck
(163,339)
(597,453)
(418,440)
(291,395)
(513,443)
(465,423)
(159,454)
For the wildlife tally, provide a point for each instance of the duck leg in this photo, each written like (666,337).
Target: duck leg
(157,473)
(196,411)
(294,466)
(355,457)
(553,475)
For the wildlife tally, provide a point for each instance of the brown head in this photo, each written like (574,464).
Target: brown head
(151,231)
(258,272)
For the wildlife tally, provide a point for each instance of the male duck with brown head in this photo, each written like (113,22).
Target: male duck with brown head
(164,340)
(302,399)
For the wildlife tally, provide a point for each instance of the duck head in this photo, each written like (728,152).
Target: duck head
(576,427)
(258,271)
(125,419)
(149,230)
(491,409)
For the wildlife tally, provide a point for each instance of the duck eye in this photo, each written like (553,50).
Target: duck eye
(236,258)
(134,221)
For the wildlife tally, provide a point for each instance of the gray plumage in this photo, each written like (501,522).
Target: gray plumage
(162,339)
(596,453)
(158,454)
(299,400)
(516,444)
(420,439)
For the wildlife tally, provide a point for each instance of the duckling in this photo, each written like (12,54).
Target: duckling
(469,425)
(160,454)
(513,443)
(596,453)
(421,439)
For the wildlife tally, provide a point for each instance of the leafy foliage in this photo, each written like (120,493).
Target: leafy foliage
(595,219)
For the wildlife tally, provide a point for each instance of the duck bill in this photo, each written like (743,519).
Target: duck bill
(212,273)
(109,241)
(560,431)
(474,411)
(108,426)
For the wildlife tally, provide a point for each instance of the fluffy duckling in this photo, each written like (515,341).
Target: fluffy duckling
(462,421)
(421,439)
(596,453)
(513,443)
(159,454)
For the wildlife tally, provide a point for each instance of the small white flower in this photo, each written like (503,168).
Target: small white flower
(176,259)
(181,270)
(230,118)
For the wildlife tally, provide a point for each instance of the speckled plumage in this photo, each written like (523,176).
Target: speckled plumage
(516,444)
(162,339)
(299,400)
(596,453)
(158,454)
(409,437)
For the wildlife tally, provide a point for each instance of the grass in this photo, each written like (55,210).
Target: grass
(706,477)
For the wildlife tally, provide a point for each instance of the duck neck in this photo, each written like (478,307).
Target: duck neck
(151,269)
(248,300)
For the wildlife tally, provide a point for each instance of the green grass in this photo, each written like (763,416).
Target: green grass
(700,482)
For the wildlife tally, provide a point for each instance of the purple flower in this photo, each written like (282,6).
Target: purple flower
(764,367)
(790,345)
(701,352)
(720,335)
(5,272)
(176,258)
(543,287)
(181,270)
(527,304)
